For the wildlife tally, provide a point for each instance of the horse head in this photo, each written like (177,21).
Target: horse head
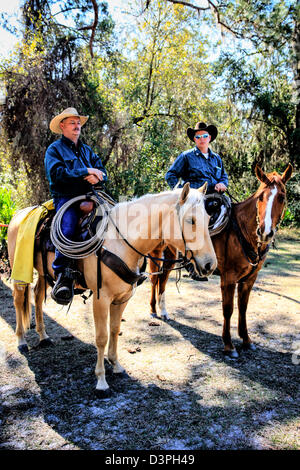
(194,239)
(271,200)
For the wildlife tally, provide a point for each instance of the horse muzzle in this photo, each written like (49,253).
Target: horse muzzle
(205,266)
(264,237)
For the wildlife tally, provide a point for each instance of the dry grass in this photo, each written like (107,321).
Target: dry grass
(181,392)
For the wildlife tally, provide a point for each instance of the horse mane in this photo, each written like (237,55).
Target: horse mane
(274,177)
(194,197)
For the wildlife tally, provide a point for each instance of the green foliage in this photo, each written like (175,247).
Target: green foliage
(50,71)
(142,93)
(7,208)
(292,215)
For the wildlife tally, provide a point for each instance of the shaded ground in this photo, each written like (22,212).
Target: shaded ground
(181,392)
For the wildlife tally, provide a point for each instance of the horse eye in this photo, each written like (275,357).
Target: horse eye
(261,197)
(281,198)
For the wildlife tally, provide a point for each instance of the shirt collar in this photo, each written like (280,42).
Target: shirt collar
(198,152)
(70,143)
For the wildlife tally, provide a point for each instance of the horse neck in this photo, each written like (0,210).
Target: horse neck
(246,214)
(146,213)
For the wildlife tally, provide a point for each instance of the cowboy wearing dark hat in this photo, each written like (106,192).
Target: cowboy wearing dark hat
(199,164)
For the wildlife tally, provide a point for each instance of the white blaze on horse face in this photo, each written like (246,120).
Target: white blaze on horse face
(268,215)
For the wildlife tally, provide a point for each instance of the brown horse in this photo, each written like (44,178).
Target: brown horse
(241,250)
(175,216)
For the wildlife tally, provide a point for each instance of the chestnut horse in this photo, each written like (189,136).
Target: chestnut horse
(241,250)
(176,216)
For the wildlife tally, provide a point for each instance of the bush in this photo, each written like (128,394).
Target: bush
(7,208)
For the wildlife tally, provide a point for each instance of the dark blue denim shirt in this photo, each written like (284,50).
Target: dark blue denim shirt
(66,165)
(192,166)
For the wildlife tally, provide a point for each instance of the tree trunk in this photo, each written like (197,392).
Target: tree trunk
(296,66)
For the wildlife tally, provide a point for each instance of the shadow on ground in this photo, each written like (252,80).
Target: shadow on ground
(140,416)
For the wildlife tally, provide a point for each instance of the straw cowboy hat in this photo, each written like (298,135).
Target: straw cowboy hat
(200,126)
(69,112)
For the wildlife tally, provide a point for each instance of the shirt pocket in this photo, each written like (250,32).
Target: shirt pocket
(218,172)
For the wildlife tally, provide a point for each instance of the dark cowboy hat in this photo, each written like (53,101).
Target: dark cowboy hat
(201,126)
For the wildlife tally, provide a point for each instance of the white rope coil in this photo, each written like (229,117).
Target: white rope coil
(218,225)
(76,249)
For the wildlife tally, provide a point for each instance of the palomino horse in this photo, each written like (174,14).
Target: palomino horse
(241,250)
(174,216)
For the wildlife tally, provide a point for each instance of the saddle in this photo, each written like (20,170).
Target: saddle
(86,228)
(218,206)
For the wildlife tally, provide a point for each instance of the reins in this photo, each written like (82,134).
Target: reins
(183,259)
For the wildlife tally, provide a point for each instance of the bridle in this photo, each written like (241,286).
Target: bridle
(183,260)
(253,257)
(259,242)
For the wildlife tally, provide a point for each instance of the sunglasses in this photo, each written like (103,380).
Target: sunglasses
(203,136)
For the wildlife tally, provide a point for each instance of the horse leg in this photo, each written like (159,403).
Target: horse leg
(162,282)
(227,301)
(244,290)
(115,323)
(100,310)
(39,295)
(21,295)
(154,285)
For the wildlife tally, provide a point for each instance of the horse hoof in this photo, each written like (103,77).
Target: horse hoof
(102,394)
(249,347)
(45,343)
(232,354)
(165,318)
(23,348)
(153,315)
(121,375)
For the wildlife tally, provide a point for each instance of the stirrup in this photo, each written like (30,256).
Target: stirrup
(63,290)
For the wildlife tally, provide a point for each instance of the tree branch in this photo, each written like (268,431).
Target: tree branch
(93,26)
(211,7)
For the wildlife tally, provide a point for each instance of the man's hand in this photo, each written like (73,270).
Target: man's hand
(94,176)
(220,187)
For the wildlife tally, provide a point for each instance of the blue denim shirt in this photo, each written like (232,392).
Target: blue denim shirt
(66,165)
(192,166)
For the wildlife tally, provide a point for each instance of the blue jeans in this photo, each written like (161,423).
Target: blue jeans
(69,223)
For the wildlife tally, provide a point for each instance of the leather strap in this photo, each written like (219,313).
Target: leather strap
(120,268)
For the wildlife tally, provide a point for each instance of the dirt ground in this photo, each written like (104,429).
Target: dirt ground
(181,392)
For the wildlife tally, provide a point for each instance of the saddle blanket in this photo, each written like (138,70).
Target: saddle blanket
(22,270)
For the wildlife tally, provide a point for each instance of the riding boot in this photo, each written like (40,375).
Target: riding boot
(193,275)
(63,290)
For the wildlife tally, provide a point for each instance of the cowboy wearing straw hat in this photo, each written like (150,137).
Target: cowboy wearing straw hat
(199,164)
(71,167)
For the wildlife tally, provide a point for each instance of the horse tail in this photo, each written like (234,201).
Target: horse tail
(27,307)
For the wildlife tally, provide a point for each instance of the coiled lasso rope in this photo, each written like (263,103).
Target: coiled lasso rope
(76,249)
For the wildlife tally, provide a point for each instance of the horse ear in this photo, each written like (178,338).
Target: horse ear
(261,175)
(287,174)
(203,188)
(184,193)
